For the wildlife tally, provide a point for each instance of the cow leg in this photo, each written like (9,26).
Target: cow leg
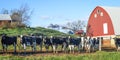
(79,48)
(4,47)
(118,47)
(73,48)
(14,47)
(24,47)
(40,46)
(64,48)
(54,48)
(70,48)
(47,47)
(89,48)
(86,48)
(34,46)
(51,47)
(94,48)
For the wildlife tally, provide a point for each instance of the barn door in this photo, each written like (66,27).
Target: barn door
(106,40)
(105,28)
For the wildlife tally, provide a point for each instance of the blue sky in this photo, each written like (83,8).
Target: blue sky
(58,11)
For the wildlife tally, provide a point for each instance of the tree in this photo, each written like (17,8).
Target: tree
(21,15)
(89,30)
(4,11)
(75,25)
(54,26)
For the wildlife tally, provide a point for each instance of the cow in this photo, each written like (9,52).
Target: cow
(64,43)
(96,43)
(72,42)
(47,42)
(59,41)
(8,40)
(117,43)
(39,41)
(88,44)
(28,41)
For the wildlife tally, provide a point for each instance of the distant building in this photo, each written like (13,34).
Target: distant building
(104,22)
(5,20)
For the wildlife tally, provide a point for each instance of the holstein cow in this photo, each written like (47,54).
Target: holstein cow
(29,41)
(117,42)
(47,43)
(72,42)
(39,41)
(64,42)
(89,43)
(8,40)
(59,41)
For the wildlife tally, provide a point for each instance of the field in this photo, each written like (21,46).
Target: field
(82,56)
(99,55)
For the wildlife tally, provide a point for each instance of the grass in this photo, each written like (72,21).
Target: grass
(93,56)
(31,30)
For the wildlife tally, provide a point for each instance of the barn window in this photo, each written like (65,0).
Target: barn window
(98,11)
(101,14)
(95,15)
(105,28)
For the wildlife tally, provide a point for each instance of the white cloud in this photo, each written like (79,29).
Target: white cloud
(46,17)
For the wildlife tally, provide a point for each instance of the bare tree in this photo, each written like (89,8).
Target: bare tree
(21,15)
(4,11)
(89,30)
(75,25)
(54,26)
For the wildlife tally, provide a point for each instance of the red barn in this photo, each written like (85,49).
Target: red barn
(104,22)
(5,20)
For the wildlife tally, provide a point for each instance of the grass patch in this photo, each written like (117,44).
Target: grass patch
(94,56)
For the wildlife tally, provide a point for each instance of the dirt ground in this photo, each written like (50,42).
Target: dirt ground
(42,53)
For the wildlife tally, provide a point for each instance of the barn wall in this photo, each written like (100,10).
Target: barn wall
(95,28)
(96,20)
(4,23)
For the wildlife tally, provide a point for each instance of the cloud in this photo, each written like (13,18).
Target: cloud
(46,17)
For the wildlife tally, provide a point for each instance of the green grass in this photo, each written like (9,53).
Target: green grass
(94,56)
(30,30)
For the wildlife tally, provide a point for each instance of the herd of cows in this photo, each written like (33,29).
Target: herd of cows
(66,44)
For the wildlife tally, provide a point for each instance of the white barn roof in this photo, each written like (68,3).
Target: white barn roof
(5,17)
(114,13)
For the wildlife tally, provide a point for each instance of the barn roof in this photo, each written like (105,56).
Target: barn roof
(5,17)
(114,13)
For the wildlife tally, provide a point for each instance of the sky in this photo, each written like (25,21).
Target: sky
(59,12)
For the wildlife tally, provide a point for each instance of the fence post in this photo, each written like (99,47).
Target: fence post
(100,44)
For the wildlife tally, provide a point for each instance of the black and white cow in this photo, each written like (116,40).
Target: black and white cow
(64,43)
(47,42)
(28,41)
(8,40)
(72,42)
(117,42)
(59,41)
(39,41)
(88,44)
(32,41)
(96,43)
(91,44)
